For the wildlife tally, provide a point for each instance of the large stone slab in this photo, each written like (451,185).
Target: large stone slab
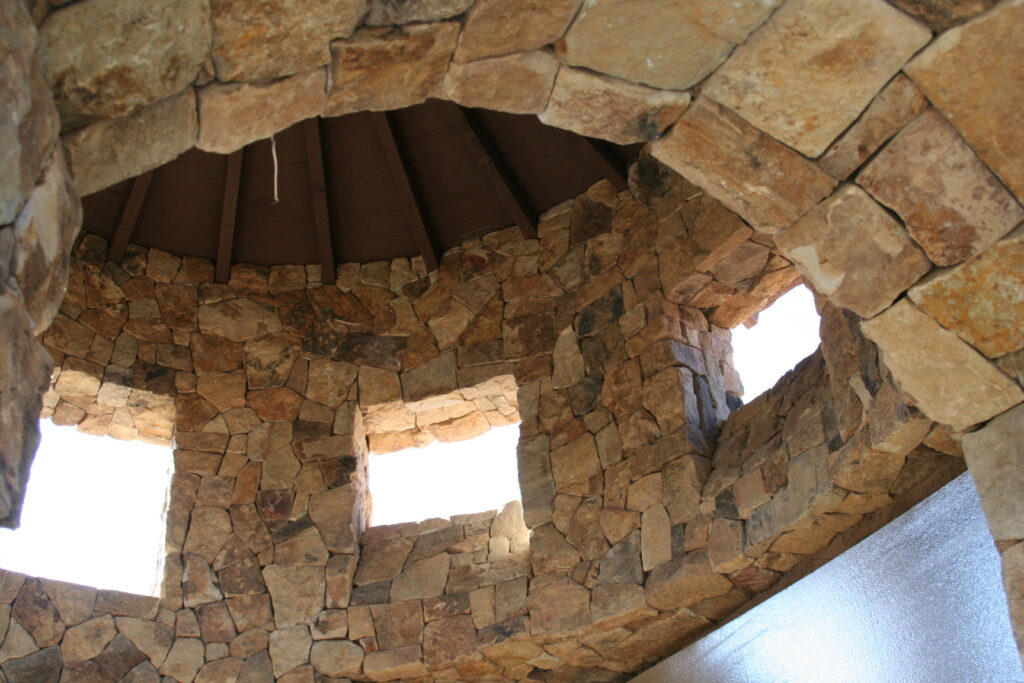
(112,58)
(952,204)
(385,68)
(973,75)
(253,41)
(814,66)
(950,382)
(851,250)
(662,44)
(996,461)
(500,27)
(110,151)
(519,83)
(231,115)
(982,299)
(762,180)
(238,319)
(603,107)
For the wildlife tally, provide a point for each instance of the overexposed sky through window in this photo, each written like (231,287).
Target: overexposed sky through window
(93,513)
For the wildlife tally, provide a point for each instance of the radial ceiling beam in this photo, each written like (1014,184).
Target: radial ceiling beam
(321,219)
(399,170)
(597,153)
(129,217)
(495,171)
(229,209)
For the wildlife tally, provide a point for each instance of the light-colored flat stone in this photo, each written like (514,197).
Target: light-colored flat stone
(603,107)
(814,66)
(519,83)
(973,75)
(996,461)
(950,382)
(762,180)
(500,27)
(851,250)
(231,115)
(954,207)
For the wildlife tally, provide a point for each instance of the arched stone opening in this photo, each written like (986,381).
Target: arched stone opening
(734,150)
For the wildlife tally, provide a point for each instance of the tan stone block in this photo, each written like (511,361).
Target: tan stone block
(763,181)
(981,299)
(238,319)
(984,108)
(386,68)
(576,462)
(398,624)
(422,579)
(382,560)
(950,382)
(297,593)
(337,658)
(684,581)
(519,83)
(560,605)
(402,662)
(725,546)
(836,58)
(603,107)
(852,251)
(655,537)
(184,659)
(952,204)
(993,457)
(289,648)
(498,27)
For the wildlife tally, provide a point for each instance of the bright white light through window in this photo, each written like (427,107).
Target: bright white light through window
(786,332)
(94,513)
(445,479)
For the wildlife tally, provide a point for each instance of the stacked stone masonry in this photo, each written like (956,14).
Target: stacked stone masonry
(881,157)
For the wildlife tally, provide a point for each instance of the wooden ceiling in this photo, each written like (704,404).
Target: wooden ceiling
(362,187)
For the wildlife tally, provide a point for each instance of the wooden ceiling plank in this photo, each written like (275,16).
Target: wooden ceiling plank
(318,186)
(229,210)
(399,170)
(129,217)
(497,173)
(600,157)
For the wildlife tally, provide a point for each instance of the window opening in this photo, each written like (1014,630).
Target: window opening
(786,332)
(94,513)
(445,479)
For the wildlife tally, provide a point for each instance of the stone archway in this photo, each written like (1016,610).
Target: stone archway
(747,141)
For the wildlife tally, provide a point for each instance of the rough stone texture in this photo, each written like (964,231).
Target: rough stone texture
(670,45)
(814,66)
(852,251)
(391,12)
(519,83)
(499,27)
(952,204)
(109,59)
(950,382)
(338,659)
(766,183)
(993,456)
(383,68)
(107,152)
(277,38)
(232,115)
(972,74)
(943,15)
(981,299)
(603,107)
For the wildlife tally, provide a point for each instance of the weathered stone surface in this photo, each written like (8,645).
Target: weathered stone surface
(73,602)
(337,658)
(618,603)
(391,12)
(664,45)
(655,537)
(215,623)
(897,104)
(87,640)
(421,579)
(329,381)
(184,660)
(981,300)
(304,549)
(238,320)
(984,107)
(386,68)
(120,656)
(382,560)
(568,367)
(297,593)
(496,27)
(153,639)
(402,662)
(519,83)
(107,152)
(445,640)
(837,57)
(852,251)
(332,512)
(253,42)
(223,669)
(603,107)
(684,581)
(994,457)
(231,115)
(209,529)
(575,462)
(431,382)
(950,382)
(763,181)
(289,648)
(34,610)
(952,204)
(561,605)
(44,665)
(113,58)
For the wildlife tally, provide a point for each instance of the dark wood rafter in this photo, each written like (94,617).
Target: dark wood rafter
(130,215)
(403,183)
(597,153)
(229,209)
(318,187)
(497,173)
